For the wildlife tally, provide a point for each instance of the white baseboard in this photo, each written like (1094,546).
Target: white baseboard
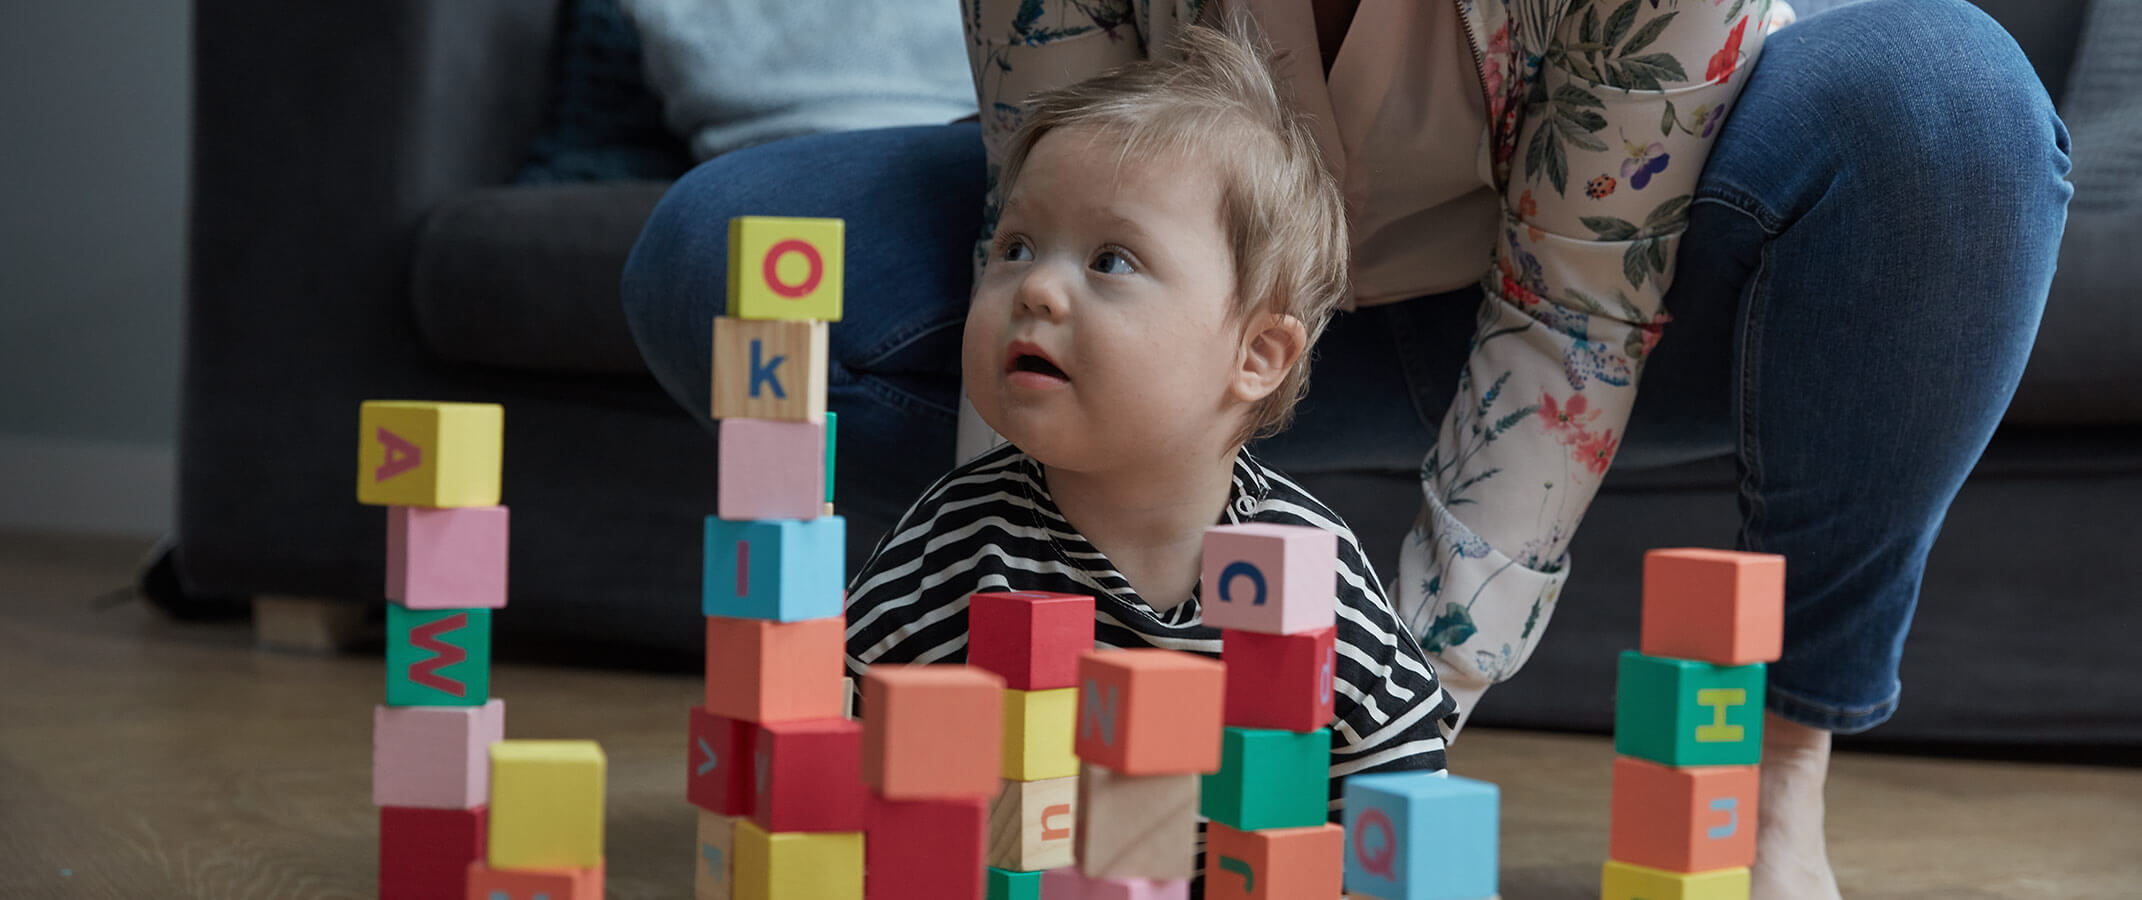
(87,487)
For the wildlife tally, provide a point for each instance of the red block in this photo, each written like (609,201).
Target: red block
(925,849)
(486,883)
(1279,681)
(1032,638)
(1150,712)
(424,854)
(718,776)
(810,776)
(1722,607)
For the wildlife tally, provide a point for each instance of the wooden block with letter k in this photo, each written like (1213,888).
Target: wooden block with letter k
(769,369)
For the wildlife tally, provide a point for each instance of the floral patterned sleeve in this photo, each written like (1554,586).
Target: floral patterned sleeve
(1621,101)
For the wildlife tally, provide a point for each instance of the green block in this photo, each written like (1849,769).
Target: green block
(1677,712)
(832,427)
(1005,884)
(1269,779)
(438,657)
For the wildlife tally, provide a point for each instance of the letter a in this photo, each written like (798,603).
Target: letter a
(765,371)
(401,456)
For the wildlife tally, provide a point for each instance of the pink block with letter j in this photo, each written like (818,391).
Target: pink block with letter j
(771,470)
(1274,579)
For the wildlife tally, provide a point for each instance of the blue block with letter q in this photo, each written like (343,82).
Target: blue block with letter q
(1421,836)
(780,570)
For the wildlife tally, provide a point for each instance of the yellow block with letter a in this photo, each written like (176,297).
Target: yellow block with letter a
(415,453)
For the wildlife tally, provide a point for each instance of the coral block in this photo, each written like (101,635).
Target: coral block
(932,732)
(1274,864)
(1277,579)
(486,883)
(925,849)
(1722,607)
(424,854)
(436,757)
(761,671)
(1691,819)
(447,558)
(1280,680)
(1031,638)
(770,469)
(1150,712)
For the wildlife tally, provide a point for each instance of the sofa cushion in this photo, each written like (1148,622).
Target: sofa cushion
(526,277)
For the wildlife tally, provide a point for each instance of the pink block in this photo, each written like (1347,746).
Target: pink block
(434,757)
(1275,579)
(771,470)
(1063,884)
(1069,884)
(447,558)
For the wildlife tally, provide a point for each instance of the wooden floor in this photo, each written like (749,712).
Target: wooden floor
(145,759)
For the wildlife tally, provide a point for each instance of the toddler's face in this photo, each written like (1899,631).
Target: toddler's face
(1099,336)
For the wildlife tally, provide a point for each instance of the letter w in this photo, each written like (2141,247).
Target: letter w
(426,637)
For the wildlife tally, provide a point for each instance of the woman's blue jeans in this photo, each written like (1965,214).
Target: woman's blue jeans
(1868,254)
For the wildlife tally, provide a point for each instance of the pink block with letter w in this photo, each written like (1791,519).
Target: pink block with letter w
(1274,579)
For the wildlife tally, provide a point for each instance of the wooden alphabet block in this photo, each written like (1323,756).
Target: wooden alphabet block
(780,570)
(1031,638)
(714,875)
(1692,819)
(1274,864)
(761,671)
(317,625)
(438,657)
(1270,779)
(1717,606)
(932,732)
(447,558)
(546,805)
(785,268)
(1621,881)
(770,470)
(769,369)
(424,854)
(810,775)
(486,883)
(434,757)
(1136,826)
(1280,680)
(924,849)
(1032,824)
(720,774)
(819,865)
(412,453)
(1037,734)
(1277,579)
(1678,712)
(1003,884)
(1421,836)
(1150,712)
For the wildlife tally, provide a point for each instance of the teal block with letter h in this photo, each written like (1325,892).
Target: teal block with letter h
(1679,712)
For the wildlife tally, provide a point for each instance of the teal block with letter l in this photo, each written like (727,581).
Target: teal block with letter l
(438,657)
(778,570)
(1421,836)
(1679,712)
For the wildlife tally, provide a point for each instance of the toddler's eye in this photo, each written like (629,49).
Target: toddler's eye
(1110,262)
(1014,250)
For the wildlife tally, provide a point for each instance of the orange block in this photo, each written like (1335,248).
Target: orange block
(486,883)
(1150,712)
(1716,606)
(1274,863)
(932,732)
(1683,819)
(762,671)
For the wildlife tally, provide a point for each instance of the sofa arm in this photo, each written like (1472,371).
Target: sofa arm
(323,132)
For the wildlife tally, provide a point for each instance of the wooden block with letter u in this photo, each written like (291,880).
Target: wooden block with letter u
(1032,823)
(412,453)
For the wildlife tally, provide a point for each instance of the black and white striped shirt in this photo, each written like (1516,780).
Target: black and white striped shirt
(991,525)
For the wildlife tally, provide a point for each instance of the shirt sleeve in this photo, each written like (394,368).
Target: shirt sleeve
(1390,713)
(1615,130)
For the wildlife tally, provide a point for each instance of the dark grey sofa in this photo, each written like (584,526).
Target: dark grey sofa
(352,238)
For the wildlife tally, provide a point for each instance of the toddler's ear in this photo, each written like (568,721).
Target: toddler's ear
(1271,345)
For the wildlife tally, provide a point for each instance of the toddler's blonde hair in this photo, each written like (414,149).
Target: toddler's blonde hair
(1212,95)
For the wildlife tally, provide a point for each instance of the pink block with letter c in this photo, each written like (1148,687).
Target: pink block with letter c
(771,470)
(434,757)
(1274,579)
(452,558)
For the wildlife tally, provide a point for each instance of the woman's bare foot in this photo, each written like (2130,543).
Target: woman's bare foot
(1792,859)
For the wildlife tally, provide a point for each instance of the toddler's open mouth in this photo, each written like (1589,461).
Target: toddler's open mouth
(1030,366)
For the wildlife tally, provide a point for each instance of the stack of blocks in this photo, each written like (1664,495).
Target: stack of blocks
(1271,590)
(932,737)
(435,466)
(1033,640)
(546,823)
(1688,726)
(773,762)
